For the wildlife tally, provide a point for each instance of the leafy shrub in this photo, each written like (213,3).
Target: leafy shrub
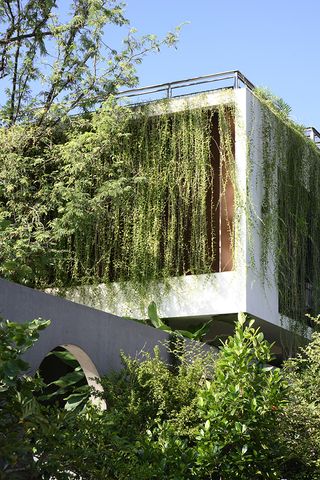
(203,417)
(19,409)
(150,421)
(239,410)
(299,431)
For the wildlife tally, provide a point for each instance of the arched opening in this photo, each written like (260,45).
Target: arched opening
(68,373)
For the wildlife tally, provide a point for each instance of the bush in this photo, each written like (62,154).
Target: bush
(299,431)
(240,410)
(204,416)
(19,409)
(144,434)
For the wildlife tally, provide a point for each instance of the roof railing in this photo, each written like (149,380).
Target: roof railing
(228,79)
(171,89)
(313,134)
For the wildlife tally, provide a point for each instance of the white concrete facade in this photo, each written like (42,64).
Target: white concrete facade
(225,293)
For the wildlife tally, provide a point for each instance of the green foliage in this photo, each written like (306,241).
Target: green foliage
(150,418)
(127,194)
(71,389)
(15,340)
(122,195)
(54,57)
(239,410)
(290,210)
(204,416)
(274,102)
(19,409)
(156,322)
(299,430)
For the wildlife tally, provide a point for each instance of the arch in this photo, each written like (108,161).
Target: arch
(89,369)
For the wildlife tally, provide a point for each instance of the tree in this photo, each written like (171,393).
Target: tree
(54,63)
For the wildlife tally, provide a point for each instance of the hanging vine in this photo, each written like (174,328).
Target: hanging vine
(291,212)
(123,195)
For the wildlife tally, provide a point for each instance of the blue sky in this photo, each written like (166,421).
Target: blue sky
(274,43)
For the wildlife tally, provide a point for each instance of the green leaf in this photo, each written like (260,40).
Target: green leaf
(69,379)
(30,408)
(66,357)
(197,335)
(155,319)
(238,427)
(75,400)
(11,368)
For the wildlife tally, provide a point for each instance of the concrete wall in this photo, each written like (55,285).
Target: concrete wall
(99,335)
(261,292)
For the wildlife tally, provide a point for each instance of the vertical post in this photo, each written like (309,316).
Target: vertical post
(169,91)
(312,135)
(220,217)
(236,80)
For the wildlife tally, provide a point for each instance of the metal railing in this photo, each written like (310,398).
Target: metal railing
(169,89)
(235,78)
(228,79)
(313,134)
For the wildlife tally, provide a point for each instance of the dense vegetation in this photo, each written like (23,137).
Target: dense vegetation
(225,415)
(290,227)
(132,194)
(126,194)
(120,195)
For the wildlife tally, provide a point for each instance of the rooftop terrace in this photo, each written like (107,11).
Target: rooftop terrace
(192,86)
(189,86)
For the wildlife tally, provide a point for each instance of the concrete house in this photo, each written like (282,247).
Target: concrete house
(262,214)
(258,221)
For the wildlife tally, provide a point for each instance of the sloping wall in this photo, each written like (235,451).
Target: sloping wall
(100,335)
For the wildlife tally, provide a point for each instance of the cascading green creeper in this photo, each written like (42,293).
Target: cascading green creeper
(143,182)
(291,212)
(120,196)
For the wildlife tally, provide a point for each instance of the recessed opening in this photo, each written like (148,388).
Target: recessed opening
(69,373)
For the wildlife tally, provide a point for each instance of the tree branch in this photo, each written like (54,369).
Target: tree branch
(24,36)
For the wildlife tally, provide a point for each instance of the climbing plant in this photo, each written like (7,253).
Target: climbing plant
(141,184)
(290,210)
(122,194)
